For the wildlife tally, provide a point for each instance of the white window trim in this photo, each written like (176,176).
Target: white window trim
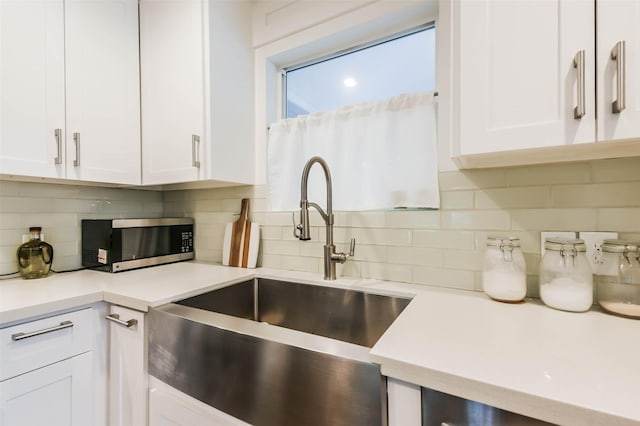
(364,25)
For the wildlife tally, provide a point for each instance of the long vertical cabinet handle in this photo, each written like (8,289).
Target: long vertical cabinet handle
(195,149)
(579,64)
(58,134)
(76,139)
(618,55)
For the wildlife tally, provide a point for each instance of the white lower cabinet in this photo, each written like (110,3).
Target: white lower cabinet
(127,368)
(169,406)
(52,370)
(59,394)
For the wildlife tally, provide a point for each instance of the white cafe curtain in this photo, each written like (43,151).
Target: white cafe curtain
(381,154)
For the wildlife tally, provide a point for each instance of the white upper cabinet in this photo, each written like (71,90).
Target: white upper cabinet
(79,56)
(619,78)
(32,88)
(103,91)
(172,76)
(528,76)
(197,91)
(521,74)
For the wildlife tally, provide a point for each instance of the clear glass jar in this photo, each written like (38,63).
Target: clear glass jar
(504,275)
(566,281)
(35,256)
(618,278)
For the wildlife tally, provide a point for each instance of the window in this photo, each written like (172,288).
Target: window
(404,63)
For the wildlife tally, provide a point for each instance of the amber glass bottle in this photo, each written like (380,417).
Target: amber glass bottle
(35,256)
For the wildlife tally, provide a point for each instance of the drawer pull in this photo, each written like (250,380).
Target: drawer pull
(62,326)
(116,318)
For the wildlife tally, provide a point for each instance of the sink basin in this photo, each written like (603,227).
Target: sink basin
(275,353)
(347,315)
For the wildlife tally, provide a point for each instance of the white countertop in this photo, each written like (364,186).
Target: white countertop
(568,368)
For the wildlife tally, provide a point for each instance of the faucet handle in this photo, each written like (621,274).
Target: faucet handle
(297,228)
(352,247)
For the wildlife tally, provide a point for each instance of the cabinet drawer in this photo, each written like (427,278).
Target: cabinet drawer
(34,344)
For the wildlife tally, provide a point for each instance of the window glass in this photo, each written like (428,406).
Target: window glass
(403,64)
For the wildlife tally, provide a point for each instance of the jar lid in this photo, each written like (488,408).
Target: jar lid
(35,228)
(620,246)
(557,244)
(497,241)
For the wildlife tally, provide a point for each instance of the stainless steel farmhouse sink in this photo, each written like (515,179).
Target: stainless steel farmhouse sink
(277,353)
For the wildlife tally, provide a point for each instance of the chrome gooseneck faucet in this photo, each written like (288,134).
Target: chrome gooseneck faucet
(301,231)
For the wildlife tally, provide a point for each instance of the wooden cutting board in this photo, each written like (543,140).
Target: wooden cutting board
(241,240)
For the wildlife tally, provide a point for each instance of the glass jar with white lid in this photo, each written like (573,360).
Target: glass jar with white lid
(618,278)
(566,280)
(504,275)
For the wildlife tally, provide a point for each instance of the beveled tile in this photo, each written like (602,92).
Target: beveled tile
(476,219)
(513,198)
(553,219)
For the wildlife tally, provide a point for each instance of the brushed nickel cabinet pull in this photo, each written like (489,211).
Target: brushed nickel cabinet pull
(579,64)
(61,326)
(195,149)
(116,318)
(76,139)
(618,55)
(58,134)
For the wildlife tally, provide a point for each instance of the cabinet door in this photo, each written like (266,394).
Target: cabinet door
(127,370)
(169,406)
(173,89)
(517,85)
(618,21)
(59,394)
(31,88)
(103,90)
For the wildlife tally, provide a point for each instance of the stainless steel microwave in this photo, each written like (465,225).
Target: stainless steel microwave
(115,245)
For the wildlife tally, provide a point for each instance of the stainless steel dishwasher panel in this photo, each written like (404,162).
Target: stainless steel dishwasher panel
(441,409)
(262,382)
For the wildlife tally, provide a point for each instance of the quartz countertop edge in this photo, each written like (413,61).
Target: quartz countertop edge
(562,367)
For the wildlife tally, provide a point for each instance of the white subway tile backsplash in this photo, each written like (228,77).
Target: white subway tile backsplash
(554,219)
(476,219)
(619,194)
(444,239)
(443,247)
(373,236)
(476,179)
(281,247)
(300,263)
(554,174)
(385,271)
(457,200)
(367,253)
(463,259)
(616,170)
(415,256)
(420,219)
(209,205)
(452,278)
(270,260)
(513,198)
(312,248)
(619,219)
(360,219)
